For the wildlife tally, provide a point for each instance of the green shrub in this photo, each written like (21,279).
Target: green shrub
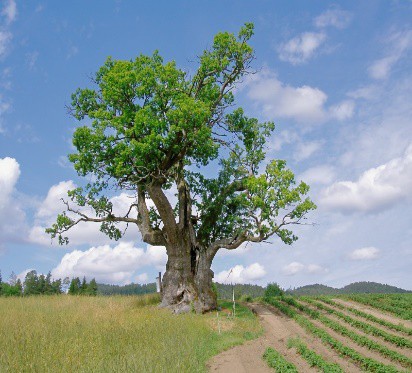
(273,290)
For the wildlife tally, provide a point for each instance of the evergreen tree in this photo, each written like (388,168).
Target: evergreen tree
(56,286)
(74,286)
(41,286)
(92,287)
(31,283)
(83,288)
(1,285)
(18,287)
(48,285)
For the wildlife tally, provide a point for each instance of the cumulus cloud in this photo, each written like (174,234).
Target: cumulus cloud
(365,253)
(376,189)
(108,264)
(318,175)
(241,275)
(294,268)
(398,44)
(333,17)
(303,104)
(12,216)
(301,48)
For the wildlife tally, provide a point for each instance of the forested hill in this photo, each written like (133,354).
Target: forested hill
(225,291)
(130,289)
(356,287)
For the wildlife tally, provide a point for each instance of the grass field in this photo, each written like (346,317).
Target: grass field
(368,339)
(112,334)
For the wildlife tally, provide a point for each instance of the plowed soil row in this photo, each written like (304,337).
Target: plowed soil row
(278,329)
(375,312)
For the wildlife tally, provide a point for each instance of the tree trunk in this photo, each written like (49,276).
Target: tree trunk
(187,283)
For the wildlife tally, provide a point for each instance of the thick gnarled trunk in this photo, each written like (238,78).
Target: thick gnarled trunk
(187,283)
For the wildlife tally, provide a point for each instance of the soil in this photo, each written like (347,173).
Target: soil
(278,329)
(373,311)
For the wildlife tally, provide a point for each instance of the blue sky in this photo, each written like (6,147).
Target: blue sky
(335,77)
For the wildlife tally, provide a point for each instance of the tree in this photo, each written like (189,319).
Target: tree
(32,284)
(273,290)
(1,284)
(75,286)
(92,287)
(149,127)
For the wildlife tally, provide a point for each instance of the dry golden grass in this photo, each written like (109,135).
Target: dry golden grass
(110,334)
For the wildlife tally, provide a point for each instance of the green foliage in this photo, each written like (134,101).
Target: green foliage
(82,288)
(273,290)
(146,122)
(313,358)
(130,289)
(276,361)
(224,291)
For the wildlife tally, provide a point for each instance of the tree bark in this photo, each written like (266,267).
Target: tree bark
(187,283)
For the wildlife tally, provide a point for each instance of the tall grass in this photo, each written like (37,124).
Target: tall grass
(107,334)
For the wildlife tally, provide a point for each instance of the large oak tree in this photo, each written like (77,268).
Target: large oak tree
(149,127)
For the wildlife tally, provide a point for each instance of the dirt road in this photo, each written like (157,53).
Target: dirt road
(247,358)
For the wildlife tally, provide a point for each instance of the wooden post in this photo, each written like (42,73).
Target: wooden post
(159,283)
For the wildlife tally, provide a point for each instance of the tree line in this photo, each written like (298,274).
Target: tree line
(40,284)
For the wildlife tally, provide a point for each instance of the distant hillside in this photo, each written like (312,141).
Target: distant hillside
(225,291)
(130,289)
(356,287)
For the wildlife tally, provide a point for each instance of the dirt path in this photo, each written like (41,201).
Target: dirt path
(278,329)
(375,312)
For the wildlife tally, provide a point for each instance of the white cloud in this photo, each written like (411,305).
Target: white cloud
(305,150)
(376,189)
(333,17)
(111,265)
(12,216)
(398,44)
(304,104)
(301,48)
(9,11)
(318,175)
(365,253)
(9,174)
(368,92)
(295,267)
(342,111)
(241,275)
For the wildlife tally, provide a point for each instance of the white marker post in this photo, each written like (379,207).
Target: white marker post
(159,283)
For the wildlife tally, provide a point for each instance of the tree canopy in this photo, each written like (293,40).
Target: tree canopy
(149,126)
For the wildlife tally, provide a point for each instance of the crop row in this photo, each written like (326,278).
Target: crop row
(365,363)
(313,359)
(380,304)
(358,339)
(397,327)
(276,361)
(367,328)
